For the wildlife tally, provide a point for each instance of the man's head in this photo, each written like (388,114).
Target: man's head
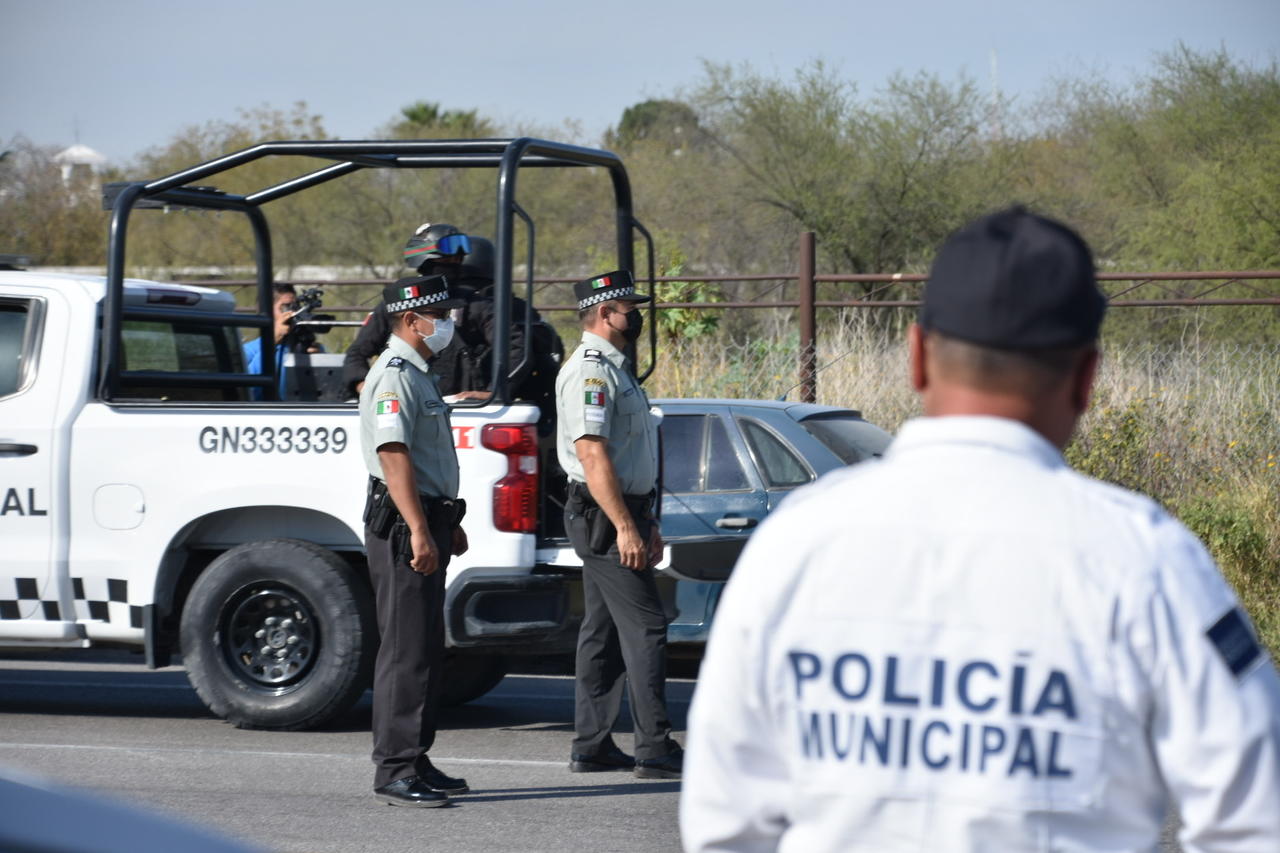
(419,307)
(436,249)
(607,306)
(1009,324)
(284,306)
(476,269)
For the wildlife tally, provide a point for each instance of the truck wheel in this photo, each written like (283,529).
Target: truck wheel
(468,677)
(278,634)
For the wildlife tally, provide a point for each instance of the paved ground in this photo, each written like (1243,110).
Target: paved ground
(100,721)
(109,725)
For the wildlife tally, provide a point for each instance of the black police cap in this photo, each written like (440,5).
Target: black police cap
(420,291)
(1014,280)
(604,288)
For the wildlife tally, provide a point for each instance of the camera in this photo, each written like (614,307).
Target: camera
(306,322)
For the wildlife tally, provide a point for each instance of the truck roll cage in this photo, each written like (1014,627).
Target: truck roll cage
(184,190)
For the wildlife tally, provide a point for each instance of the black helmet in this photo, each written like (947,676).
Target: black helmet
(479,261)
(434,241)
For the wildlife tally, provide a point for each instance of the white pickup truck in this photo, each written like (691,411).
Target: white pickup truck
(122,522)
(149,501)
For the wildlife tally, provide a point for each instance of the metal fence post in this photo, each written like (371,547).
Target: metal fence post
(808,320)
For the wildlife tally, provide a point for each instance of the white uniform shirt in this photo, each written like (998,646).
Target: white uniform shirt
(969,646)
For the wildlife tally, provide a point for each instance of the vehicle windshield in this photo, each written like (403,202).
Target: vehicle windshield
(848,437)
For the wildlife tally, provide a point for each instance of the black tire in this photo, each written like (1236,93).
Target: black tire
(469,676)
(279,634)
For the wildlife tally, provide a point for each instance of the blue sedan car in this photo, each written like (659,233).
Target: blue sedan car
(727,463)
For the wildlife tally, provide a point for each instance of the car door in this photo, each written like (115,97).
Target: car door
(708,484)
(781,466)
(33,331)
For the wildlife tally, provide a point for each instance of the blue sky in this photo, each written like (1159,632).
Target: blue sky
(129,74)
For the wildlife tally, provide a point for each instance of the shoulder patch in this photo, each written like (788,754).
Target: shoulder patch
(592,355)
(1234,641)
(395,361)
(594,381)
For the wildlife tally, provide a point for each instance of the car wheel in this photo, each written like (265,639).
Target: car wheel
(468,677)
(278,634)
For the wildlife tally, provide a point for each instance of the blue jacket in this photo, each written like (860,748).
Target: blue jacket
(253,364)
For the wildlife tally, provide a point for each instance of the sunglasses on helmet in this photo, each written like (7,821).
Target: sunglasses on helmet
(452,244)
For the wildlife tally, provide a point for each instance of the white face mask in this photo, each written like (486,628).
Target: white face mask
(441,334)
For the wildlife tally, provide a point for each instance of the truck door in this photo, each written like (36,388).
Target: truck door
(33,332)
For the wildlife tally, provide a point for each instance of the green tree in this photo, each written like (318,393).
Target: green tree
(190,242)
(672,125)
(1179,172)
(880,182)
(685,323)
(426,120)
(52,219)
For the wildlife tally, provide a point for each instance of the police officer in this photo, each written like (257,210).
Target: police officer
(463,368)
(433,249)
(607,445)
(411,530)
(967,645)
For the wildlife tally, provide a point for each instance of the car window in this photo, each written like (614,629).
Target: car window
(13,333)
(848,437)
(779,464)
(697,455)
(682,452)
(724,469)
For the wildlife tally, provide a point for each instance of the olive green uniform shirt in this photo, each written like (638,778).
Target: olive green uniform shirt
(400,402)
(597,395)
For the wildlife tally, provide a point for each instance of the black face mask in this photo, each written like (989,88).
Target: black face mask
(635,323)
(453,272)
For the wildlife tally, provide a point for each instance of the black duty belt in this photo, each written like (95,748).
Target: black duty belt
(639,505)
(448,508)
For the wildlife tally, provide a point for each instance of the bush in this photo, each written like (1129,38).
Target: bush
(1239,531)
(1197,429)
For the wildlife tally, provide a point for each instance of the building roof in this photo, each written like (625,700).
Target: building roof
(78,155)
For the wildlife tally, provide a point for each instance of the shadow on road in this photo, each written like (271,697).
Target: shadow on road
(115,686)
(559,792)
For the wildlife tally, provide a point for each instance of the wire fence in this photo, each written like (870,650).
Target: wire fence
(866,369)
(786,333)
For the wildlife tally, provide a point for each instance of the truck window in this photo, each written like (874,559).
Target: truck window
(182,348)
(17,343)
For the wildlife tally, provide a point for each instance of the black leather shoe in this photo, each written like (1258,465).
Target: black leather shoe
(411,791)
(611,758)
(437,781)
(669,766)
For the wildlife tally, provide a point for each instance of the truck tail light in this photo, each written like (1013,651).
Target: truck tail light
(515,496)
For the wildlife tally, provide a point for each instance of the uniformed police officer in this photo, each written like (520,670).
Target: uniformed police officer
(607,444)
(411,530)
(435,248)
(967,645)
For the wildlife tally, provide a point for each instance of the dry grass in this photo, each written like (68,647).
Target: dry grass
(1197,428)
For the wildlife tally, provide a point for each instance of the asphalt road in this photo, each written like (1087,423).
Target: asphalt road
(102,722)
